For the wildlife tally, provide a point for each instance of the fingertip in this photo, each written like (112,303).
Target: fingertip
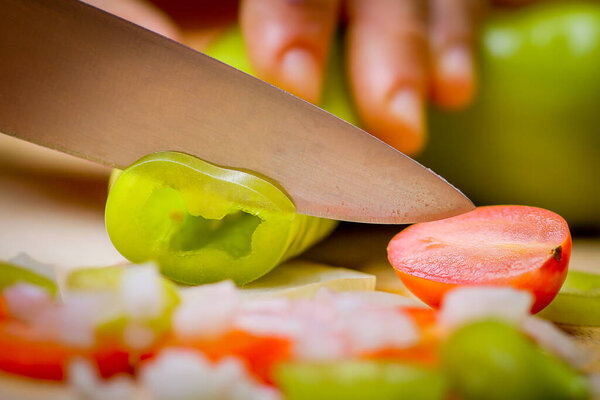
(406,107)
(400,122)
(300,73)
(453,83)
(407,116)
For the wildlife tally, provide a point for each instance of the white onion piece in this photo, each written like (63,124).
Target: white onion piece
(85,382)
(321,345)
(138,336)
(270,325)
(206,310)
(183,374)
(25,301)
(381,329)
(465,304)
(80,315)
(552,339)
(142,292)
(332,325)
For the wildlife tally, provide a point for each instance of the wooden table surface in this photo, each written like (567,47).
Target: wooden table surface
(52,208)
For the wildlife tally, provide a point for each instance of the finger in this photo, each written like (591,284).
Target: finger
(140,13)
(288,41)
(453,25)
(387,42)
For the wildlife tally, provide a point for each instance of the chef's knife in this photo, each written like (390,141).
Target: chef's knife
(80,80)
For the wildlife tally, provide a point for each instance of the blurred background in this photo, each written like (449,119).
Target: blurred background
(530,136)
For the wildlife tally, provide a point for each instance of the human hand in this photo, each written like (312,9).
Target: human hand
(400,54)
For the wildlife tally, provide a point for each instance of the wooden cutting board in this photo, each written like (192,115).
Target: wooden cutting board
(51,207)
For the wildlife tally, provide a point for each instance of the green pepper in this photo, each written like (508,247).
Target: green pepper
(348,380)
(11,274)
(108,280)
(532,135)
(203,223)
(577,302)
(492,360)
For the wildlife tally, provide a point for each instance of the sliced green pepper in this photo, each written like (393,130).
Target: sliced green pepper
(492,360)
(202,223)
(349,380)
(108,280)
(578,302)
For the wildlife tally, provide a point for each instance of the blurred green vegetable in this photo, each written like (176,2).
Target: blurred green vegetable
(492,360)
(533,135)
(349,380)
(11,274)
(202,223)
(577,302)
(109,280)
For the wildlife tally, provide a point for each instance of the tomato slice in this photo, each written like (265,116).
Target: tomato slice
(3,309)
(259,353)
(425,318)
(24,353)
(425,352)
(524,247)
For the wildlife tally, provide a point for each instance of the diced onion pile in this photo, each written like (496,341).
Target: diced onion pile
(173,364)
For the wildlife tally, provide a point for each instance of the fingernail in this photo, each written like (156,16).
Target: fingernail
(407,106)
(299,73)
(455,64)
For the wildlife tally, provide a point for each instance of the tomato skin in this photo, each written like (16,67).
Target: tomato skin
(32,358)
(3,309)
(26,354)
(259,353)
(524,247)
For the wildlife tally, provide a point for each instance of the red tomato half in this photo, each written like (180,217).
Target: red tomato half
(524,247)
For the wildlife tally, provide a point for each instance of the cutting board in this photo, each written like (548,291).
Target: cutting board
(52,205)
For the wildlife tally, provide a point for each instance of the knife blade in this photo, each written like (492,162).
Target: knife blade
(82,81)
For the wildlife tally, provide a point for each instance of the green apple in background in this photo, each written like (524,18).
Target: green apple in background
(532,135)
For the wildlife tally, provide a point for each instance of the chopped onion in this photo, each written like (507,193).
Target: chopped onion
(381,329)
(206,310)
(552,339)
(184,374)
(84,381)
(466,304)
(25,301)
(141,290)
(138,336)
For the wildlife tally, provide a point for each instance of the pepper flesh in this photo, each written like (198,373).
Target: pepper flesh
(202,223)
